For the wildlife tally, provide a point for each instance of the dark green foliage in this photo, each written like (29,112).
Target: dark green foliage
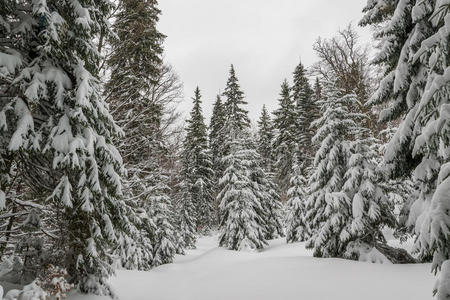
(285,140)
(198,167)
(265,138)
(302,96)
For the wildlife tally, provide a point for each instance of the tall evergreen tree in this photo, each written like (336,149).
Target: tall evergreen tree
(237,116)
(198,165)
(63,130)
(136,71)
(414,56)
(245,212)
(296,228)
(160,210)
(371,209)
(328,207)
(241,212)
(302,96)
(284,144)
(347,207)
(186,218)
(216,136)
(265,138)
(136,53)
(265,189)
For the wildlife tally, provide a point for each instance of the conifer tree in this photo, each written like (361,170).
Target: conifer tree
(296,227)
(265,138)
(136,53)
(414,43)
(329,208)
(136,71)
(348,207)
(302,96)
(63,129)
(186,218)
(371,209)
(242,208)
(236,115)
(265,189)
(241,219)
(284,144)
(217,139)
(198,167)
(160,210)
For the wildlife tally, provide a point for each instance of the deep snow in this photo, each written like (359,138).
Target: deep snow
(280,272)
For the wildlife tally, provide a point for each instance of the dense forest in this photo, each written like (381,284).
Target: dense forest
(99,171)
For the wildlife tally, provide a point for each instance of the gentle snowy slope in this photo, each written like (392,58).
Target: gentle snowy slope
(281,272)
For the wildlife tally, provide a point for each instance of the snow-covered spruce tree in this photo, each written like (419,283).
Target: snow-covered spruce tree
(240,210)
(216,137)
(265,189)
(160,211)
(265,138)
(138,78)
(284,143)
(296,227)
(186,221)
(371,209)
(198,167)
(62,122)
(414,54)
(136,60)
(329,209)
(236,117)
(241,213)
(305,110)
(401,191)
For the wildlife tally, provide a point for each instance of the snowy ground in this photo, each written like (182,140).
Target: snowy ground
(280,272)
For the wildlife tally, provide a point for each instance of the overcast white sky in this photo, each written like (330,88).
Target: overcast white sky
(264,39)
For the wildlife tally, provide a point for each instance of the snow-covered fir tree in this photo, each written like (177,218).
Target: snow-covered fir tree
(370,207)
(329,209)
(284,143)
(265,138)
(217,137)
(236,117)
(186,220)
(198,167)
(241,212)
(136,57)
(160,211)
(266,191)
(414,46)
(135,72)
(296,228)
(302,96)
(61,124)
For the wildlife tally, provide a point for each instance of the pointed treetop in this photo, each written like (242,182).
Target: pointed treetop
(197,108)
(236,114)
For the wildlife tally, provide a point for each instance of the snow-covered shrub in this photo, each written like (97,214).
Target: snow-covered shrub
(32,291)
(54,282)
(365,252)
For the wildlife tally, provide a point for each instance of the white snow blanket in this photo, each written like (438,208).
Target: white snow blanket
(280,272)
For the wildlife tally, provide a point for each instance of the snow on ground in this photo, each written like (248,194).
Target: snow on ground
(280,272)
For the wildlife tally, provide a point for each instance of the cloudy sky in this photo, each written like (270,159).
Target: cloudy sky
(264,39)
